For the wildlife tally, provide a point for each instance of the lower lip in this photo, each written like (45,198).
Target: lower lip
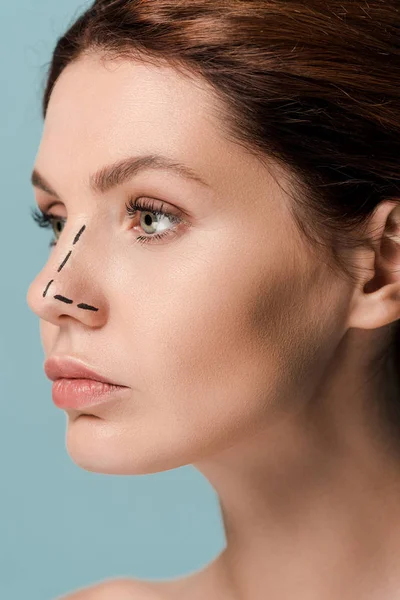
(82,393)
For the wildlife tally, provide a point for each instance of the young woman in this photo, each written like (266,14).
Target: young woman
(222,179)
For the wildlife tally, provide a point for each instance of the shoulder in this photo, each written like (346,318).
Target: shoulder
(118,589)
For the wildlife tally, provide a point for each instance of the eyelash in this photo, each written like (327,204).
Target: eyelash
(134,206)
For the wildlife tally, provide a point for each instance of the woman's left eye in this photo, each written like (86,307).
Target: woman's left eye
(151,214)
(150,217)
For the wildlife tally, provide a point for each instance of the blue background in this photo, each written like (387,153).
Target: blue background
(61,527)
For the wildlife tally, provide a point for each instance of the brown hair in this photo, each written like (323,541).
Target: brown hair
(314,85)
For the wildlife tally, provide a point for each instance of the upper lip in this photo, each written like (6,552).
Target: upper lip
(59,367)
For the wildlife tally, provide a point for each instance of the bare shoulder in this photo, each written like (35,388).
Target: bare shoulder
(195,585)
(119,589)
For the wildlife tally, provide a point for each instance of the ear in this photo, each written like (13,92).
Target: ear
(376,299)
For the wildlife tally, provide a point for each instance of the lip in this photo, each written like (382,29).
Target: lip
(66,367)
(80,394)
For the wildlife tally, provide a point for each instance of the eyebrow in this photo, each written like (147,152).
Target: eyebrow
(115,174)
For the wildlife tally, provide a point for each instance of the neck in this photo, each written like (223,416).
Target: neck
(310,504)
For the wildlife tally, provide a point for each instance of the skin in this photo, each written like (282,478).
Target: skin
(244,354)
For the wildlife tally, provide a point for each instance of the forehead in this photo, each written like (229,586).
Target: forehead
(100,112)
(112,108)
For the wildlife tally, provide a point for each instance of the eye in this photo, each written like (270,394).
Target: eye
(152,217)
(49,221)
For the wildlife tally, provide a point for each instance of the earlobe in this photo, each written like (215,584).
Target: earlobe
(376,309)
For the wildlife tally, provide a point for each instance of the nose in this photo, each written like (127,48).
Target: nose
(68,287)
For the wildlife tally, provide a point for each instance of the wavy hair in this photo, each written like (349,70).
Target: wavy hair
(314,85)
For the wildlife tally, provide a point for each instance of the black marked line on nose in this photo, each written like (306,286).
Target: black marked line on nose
(87,307)
(78,235)
(47,287)
(64,261)
(63,299)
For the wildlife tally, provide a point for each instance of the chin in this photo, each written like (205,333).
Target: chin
(98,446)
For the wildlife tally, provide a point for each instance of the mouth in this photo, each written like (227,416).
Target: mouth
(82,394)
(67,367)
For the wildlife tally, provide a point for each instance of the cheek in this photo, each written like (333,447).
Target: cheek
(216,353)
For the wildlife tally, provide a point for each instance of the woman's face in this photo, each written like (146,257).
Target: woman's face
(219,327)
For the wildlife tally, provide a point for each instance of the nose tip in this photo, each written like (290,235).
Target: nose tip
(66,300)
(50,302)
(62,298)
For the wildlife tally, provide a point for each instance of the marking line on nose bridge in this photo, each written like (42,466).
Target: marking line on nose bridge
(47,287)
(63,298)
(78,235)
(64,261)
